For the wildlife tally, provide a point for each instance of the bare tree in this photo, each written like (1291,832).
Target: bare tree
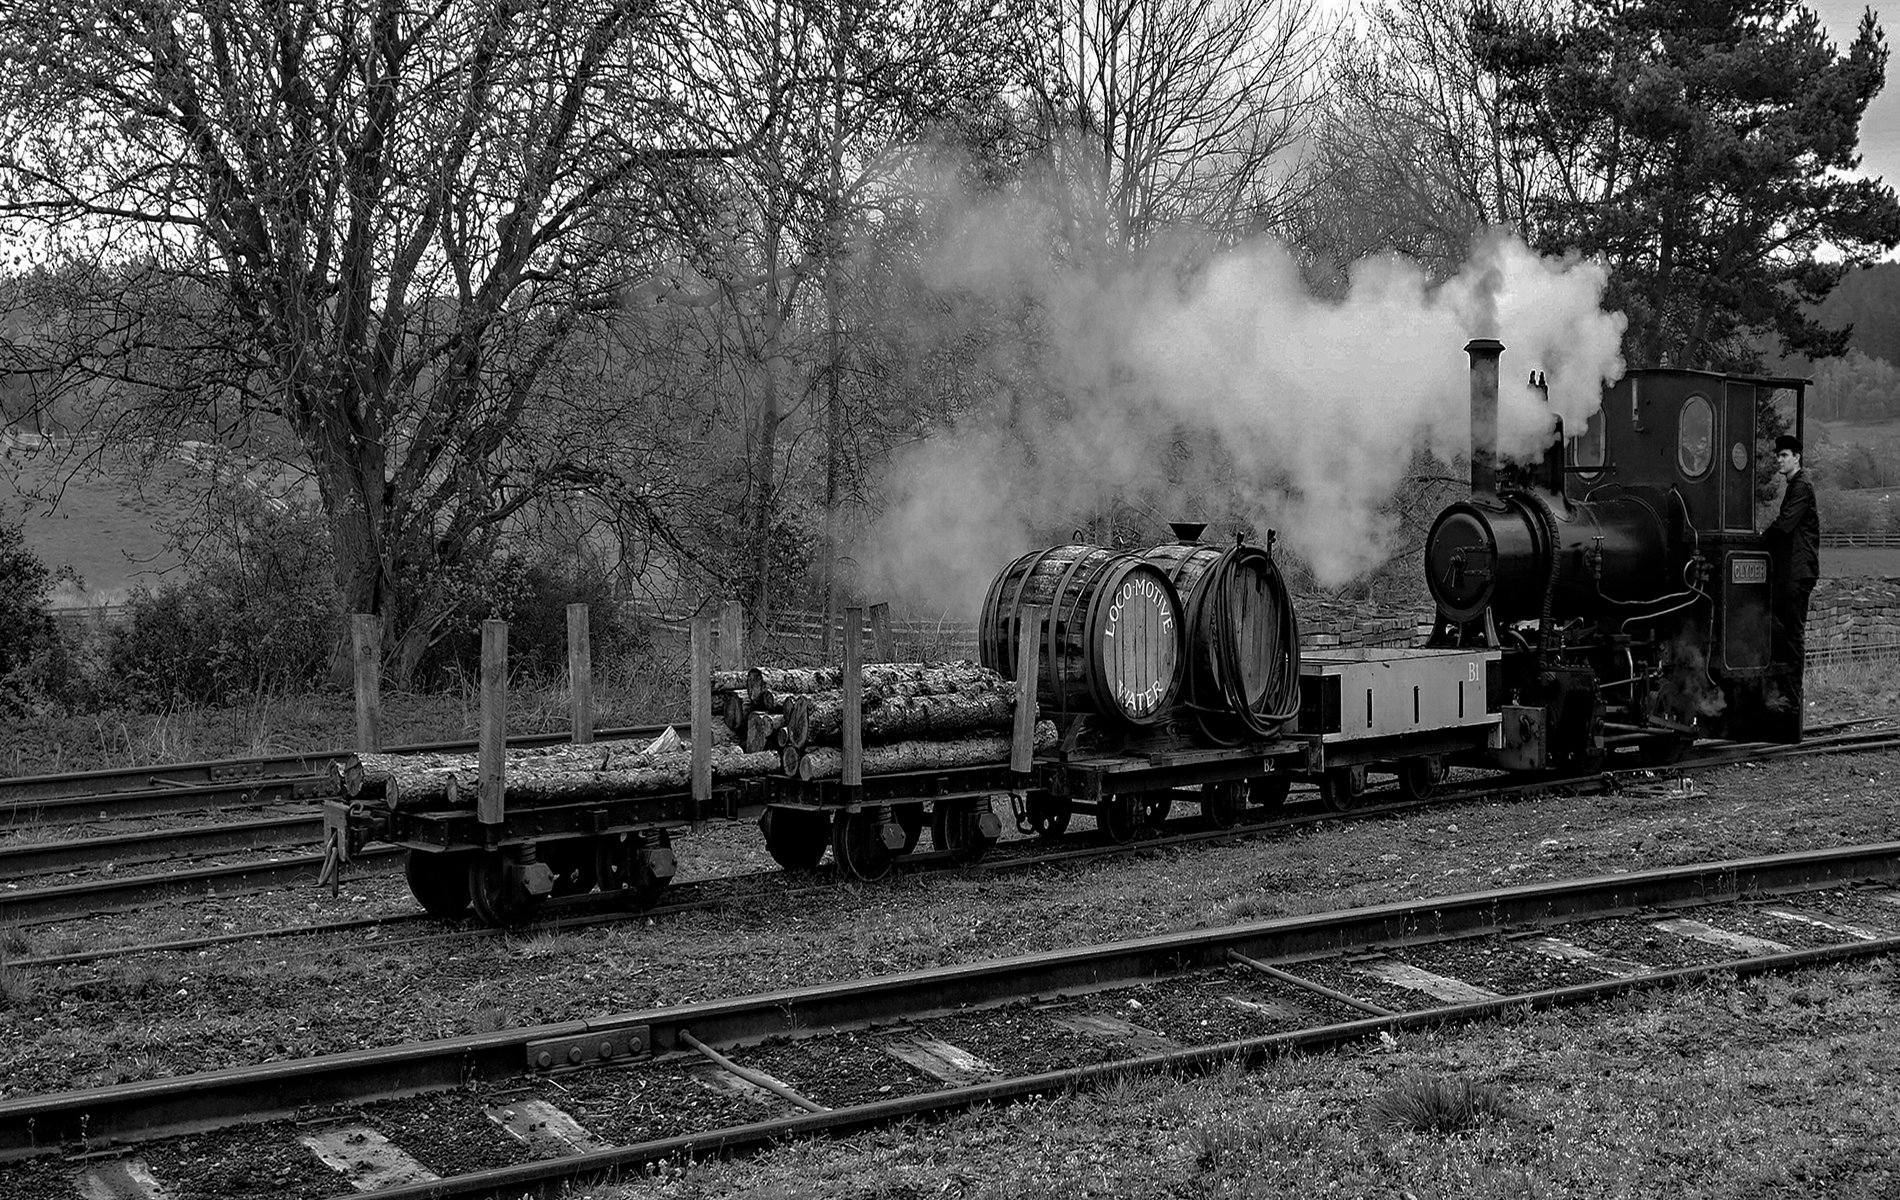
(1411,155)
(374,225)
(1155,112)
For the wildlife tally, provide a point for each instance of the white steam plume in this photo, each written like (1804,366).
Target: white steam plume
(1319,403)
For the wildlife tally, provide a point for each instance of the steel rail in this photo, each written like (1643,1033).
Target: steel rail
(239,1095)
(30,906)
(23,859)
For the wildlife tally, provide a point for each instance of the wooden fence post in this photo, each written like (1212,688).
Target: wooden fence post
(493,742)
(580,674)
(366,636)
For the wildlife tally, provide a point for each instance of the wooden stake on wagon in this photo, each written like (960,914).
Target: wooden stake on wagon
(732,636)
(493,743)
(853,773)
(1022,744)
(883,645)
(702,717)
(366,636)
(580,674)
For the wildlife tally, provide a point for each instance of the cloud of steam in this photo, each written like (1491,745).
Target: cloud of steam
(1319,403)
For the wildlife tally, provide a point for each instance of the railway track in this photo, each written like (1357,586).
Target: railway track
(528,1108)
(27,906)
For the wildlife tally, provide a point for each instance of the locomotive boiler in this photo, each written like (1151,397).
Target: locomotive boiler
(1624,577)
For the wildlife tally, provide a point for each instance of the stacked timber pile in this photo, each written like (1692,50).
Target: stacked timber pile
(914,717)
(545,774)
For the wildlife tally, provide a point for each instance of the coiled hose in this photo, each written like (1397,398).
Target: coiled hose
(1220,700)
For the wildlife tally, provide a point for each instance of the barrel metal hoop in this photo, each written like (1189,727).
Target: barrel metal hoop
(1057,686)
(1011,615)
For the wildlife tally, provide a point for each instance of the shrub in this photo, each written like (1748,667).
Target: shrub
(532,595)
(31,652)
(256,613)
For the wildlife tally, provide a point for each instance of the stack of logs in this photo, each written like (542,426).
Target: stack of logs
(915,716)
(546,774)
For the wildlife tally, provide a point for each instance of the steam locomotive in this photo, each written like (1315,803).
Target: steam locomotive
(1624,578)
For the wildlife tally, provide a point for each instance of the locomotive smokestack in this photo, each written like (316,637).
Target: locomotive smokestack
(1484,354)
(1188,531)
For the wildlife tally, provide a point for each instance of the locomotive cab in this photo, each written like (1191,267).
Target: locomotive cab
(1625,578)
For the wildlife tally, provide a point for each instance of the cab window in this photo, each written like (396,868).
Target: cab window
(1695,437)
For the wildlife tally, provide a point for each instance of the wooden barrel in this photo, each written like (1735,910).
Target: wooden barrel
(1112,644)
(1239,621)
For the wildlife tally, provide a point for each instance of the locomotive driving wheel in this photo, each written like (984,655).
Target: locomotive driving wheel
(1224,803)
(1341,787)
(1421,777)
(438,880)
(858,846)
(795,837)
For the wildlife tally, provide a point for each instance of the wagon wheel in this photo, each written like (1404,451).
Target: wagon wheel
(1155,807)
(439,881)
(1421,777)
(953,827)
(910,818)
(1224,803)
(1048,815)
(495,901)
(1341,787)
(1269,793)
(795,837)
(857,845)
(1120,817)
(572,861)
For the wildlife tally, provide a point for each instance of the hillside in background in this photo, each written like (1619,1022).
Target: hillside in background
(109,531)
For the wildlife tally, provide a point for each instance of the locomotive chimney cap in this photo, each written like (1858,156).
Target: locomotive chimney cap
(1188,531)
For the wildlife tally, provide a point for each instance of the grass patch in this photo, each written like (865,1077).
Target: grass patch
(1437,1105)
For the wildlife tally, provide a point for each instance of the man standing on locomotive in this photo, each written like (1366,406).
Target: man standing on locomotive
(1794,543)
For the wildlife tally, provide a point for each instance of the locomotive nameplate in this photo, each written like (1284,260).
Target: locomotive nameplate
(1748,570)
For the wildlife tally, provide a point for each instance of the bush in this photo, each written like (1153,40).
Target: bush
(532,595)
(32,655)
(257,613)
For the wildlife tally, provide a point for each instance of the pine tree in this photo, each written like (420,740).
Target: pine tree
(1702,149)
